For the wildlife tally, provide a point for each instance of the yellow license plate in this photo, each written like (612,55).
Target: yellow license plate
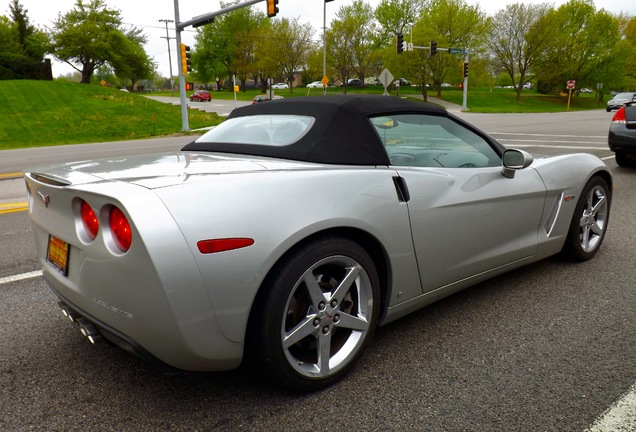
(57,254)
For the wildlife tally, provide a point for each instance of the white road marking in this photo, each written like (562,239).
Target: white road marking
(19,277)
(545,135)
(621,416)
(556,146)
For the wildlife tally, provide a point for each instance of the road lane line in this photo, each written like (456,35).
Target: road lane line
(10,175)
(621,416)
(546,135)
(554,146)
(13,207)
(19,277)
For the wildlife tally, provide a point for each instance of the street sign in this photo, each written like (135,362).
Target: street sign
(571,84)
(324,81)
(456,51)
(385,77)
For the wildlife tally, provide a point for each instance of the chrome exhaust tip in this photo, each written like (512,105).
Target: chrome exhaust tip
(89,331)
(69,313)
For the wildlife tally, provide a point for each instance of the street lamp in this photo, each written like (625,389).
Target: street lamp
(324,46)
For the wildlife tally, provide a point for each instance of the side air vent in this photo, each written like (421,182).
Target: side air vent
(554,213)
(402,190)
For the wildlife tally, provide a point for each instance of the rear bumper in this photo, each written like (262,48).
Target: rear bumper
(88,323)
(622,139)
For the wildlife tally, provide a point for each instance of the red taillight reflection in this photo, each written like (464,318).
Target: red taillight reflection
(120,228)
(91,223)
(619,117)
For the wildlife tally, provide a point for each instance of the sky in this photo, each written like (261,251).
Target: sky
(147,14)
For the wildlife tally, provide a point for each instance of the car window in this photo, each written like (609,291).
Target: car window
(432,141)
(275,130)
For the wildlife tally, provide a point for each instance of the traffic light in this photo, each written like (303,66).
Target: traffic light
(465,70)
(272,9)
(189,86)
(186,64)
(433,48)
(400,43)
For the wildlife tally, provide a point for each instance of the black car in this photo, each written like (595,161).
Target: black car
(622,135)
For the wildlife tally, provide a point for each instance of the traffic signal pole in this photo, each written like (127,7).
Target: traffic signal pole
(432,48)
(465,86)
(198,21)
(185,126)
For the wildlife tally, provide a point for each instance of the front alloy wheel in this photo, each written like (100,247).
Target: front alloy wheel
(589,223)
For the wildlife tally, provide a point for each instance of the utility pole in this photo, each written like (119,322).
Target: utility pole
(167,38)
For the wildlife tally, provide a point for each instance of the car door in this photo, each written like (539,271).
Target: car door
(466,217)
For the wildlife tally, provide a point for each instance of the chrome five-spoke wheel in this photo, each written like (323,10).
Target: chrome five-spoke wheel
(316,314)
(589,223)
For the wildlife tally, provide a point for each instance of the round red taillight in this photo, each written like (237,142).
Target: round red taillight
(91,223)
(119,226)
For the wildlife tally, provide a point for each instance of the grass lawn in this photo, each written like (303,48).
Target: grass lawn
(499,100)
(42,113)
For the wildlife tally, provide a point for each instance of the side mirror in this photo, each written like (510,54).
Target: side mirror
(514,160)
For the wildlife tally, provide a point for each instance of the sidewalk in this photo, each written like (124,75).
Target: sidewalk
(450,107)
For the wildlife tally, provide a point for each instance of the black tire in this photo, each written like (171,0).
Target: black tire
(623,160)
(589,222)
(295,320)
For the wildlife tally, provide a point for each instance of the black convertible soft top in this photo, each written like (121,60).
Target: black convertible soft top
(341,134)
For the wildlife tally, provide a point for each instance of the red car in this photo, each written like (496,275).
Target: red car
(201,96)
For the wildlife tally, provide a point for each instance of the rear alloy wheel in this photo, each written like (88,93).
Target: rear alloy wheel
(589,222)
(317,316)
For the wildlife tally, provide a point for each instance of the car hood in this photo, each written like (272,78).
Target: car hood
(161,170)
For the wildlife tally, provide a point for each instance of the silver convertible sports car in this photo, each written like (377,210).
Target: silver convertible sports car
(285,235)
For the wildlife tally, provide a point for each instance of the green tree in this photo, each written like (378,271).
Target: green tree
(131,63)
(452,24)
(340,50)
(91,35)
(22,46)
(228,46)
(516,39)
(358,18)
(586,45)
(395,16)
(294,41)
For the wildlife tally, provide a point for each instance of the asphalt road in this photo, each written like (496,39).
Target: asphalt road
(549,347)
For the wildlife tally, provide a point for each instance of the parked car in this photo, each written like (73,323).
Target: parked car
(279,86)
(201,96)
(354,82)
(260,98)
(620,100)
(622,135)
(287,233)
(315,84)
(263,98)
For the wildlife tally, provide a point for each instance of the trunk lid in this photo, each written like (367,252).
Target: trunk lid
(159,170)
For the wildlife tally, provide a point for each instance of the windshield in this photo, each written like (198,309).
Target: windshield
(273,130)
